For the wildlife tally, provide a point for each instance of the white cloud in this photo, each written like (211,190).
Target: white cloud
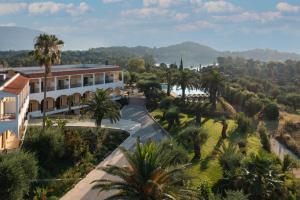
(285,7)
(38,8)
(111,1)
(150,13)
(11,8)
(8,24)
(250,16)
(218,6)
(198,25)
(162,3)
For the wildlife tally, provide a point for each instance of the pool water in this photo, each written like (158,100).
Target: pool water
(177,90)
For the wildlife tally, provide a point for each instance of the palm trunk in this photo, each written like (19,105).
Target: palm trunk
(197,151)
(183,92)
(45,99)
(169,89)
(198,119)
(224,130)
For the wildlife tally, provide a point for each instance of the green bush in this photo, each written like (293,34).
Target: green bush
(271,111)
(244,123)
(48,146)
(264,136)
(16,171)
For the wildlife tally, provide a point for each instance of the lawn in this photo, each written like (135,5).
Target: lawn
(208,168)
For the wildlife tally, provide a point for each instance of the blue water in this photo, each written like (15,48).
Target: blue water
(177,90)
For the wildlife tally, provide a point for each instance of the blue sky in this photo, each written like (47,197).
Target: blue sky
(222,24)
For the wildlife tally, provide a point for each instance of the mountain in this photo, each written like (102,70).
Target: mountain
(17,38)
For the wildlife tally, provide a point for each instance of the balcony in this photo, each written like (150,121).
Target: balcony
(7,116)
(62,87)
(75,85)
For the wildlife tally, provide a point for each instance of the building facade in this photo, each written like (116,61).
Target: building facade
(22,97)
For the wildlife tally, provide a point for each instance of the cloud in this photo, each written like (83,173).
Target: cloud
(11,8)
(38,8)
(8,24)
(150,13)
(250,16)
(162,3)
(111,1)
(285,7)
(218,6)
(198,25)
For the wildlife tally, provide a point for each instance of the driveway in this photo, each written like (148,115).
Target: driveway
(148,129)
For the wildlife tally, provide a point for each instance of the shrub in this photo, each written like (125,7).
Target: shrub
(244,123)
(230,157)
(264,136)
(16,171)
(271,111)
(253,106)
(48,146)
(172,116)
(166,103)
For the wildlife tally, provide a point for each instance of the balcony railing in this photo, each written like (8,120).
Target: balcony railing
(7,116)
(34,90)
(88,84)
(75,85)
(62,87)
(99,82)
(50,88)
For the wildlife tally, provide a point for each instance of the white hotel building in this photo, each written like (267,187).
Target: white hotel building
(21,94)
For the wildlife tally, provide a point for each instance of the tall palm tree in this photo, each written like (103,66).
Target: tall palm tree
(199,108)
(149,175)
(168,77)
(185,79)
(47,52)
(212,82)
(196,136)
(101,105)
(224,123)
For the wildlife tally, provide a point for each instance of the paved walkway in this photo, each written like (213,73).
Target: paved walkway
(148,129)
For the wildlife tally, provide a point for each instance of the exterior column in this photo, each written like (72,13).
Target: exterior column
(104,74)
(69,82)
(55,83)
(122,76)
(93,78)
(81,80)
(40,85)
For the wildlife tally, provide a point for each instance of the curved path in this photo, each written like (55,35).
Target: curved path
(136,112)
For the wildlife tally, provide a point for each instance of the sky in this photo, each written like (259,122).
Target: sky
(222,24)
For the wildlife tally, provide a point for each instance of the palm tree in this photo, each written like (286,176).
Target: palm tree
(168,77)
(172,117)
(212,82)
(185,79)
(224,123)
(199,108)
(196,136)
(262,177)
(101,105)
(47,52)
(149,175)
(229,157)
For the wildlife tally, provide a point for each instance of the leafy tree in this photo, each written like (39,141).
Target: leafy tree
(101,106)
(271,111)
(252,106)
(235,195)
(213,83)
(264,136)
(168,74)
(47,53)
(195,136)
(148,175)
(293,100)
(16,171)
(48,146)
(136,65)
(172,117)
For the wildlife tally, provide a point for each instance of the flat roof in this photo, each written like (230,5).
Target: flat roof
(60,70)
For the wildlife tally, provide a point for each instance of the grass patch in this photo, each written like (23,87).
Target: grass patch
(208,168)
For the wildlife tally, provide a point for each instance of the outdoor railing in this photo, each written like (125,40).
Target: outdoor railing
(75,85)
(7,116)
